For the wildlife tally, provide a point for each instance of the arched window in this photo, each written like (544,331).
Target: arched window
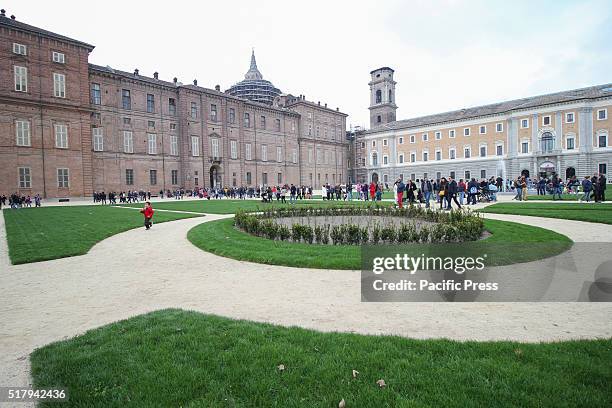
(378,96)
(390,96)
(547,142)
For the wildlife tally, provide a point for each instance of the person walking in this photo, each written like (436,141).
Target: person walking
(587,187)
(472,191)
(426,189)
(602,187)
(452,193)
(523,189)
(399,188)
(442,192)
(461,187)
(147,211)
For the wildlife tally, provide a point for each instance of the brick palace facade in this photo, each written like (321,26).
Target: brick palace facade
(70,128)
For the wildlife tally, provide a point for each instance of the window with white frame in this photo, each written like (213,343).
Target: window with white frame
(22,131)
(98,139)
(151,143)
(499,127)
(452,153)
(59,85)
(524,123)
(59,57)
(233,149)
(602,139)
(61,135)
(466,131)
(412,139)
(128,142)
(20,49)
(401,158)
(401,140)
(451,133)
(425,137)
(247,151)
(483,151)
(482,129)
(602,114)
(174,177)
(264,153)
(467,152)
(412,157)
(195,146)
(214,144)
(425,155)
(524,146)
(438,155)
(21,79)
(373,143)
(374,159)
(499,149)
(467,174)
(63,178)
(173,145)
(279,154)
(25,177)
(546,120)
(385,143)
(483,174)
(570,142)
(569,117)
(385,160)
(438,135)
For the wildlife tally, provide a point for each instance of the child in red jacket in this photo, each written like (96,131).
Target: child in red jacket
(147,211)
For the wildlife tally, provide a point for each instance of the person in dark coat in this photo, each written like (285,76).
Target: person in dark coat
(452,193)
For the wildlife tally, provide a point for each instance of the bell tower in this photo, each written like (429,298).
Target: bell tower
(382,97)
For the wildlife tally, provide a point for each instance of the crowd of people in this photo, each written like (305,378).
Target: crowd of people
(591,187)
(19,201)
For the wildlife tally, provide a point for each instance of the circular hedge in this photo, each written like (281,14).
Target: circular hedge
(403,225)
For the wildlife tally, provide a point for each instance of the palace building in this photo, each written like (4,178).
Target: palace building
(70,127)
(567,133)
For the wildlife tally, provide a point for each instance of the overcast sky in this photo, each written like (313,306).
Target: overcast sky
(447,54)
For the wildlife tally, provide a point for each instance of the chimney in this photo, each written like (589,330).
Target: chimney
(3,13)
(156,75)
(319,103)
(218,88)
(175,80)
(136,72)
(337,109)
(326,105)
(12,16)
(195,82)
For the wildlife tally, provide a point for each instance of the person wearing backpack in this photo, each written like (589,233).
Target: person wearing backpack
(472,191)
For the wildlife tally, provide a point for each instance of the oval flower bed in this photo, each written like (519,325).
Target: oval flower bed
(361,225)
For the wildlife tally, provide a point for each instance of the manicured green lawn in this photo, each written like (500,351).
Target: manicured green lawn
(591,212)
(175,358)
(226,206)
(509,243)
(549,197)
(39,234)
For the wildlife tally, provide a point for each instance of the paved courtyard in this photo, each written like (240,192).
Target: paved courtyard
(140,271)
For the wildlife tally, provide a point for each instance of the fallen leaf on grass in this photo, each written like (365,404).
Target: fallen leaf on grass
(518,352)
(355,373)
(281,367)
(342,403)
(381,383)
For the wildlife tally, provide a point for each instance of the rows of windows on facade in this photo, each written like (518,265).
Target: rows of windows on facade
(59,91)
(547,142)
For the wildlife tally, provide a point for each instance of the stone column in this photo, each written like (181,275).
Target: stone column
(558,131)
(534,134)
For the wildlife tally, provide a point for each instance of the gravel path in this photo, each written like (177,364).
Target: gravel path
(140,271)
